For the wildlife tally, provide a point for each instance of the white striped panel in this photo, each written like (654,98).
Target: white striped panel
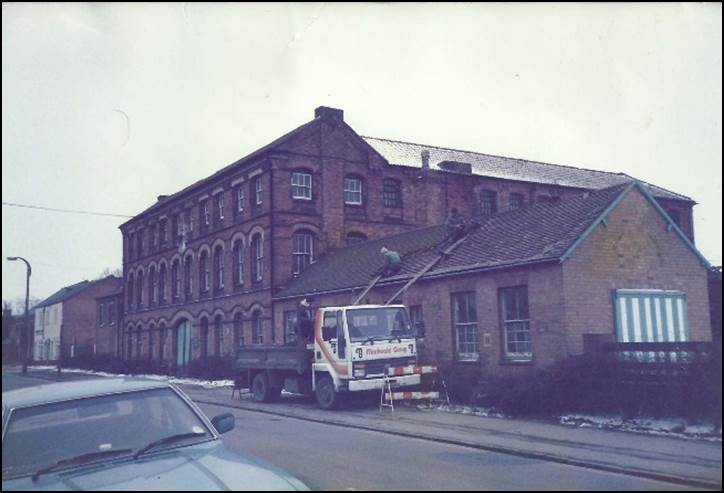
(659,326)
(624,319)
(682,328)
(670,320)
(636,316)
(650,337)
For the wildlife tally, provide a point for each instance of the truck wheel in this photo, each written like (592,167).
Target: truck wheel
(327,397)
(260,389)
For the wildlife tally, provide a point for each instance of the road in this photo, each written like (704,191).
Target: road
(333,458)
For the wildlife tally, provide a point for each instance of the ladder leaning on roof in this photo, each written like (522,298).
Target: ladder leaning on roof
(417,276)
(367,289)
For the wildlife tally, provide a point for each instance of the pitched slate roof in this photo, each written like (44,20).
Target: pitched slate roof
(409,154)
(543,232)
(65,294)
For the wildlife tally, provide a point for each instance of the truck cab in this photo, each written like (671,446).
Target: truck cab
(356,346)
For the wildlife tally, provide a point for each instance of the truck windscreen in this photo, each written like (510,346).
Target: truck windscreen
(378,323)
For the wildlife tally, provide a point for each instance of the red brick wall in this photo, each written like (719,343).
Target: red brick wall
(80,314)
(635,251)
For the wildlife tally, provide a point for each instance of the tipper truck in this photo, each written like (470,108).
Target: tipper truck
(355,348)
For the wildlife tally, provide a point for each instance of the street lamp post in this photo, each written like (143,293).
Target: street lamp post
(24,339)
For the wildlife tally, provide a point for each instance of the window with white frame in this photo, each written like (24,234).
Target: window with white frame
(302,251)
(301,186)
(188,275)
(257,246)
(353,190)
(258,191)
(465,323)
(219,257)
(515,317)
(238,330)
(204,271)
(176,279)
(220,206)
(239,262)
(290,327)
(205,216)
(239,200)
(152,291)
(257,331)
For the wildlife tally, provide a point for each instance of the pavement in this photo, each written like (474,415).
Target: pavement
(681,461)
(674,460)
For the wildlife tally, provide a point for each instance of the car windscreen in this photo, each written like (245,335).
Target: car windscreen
(40,436)
(378,323)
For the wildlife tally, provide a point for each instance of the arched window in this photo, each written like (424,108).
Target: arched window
(204,273)
(129,344)
(391,193)
(162,284)
(238,330)
(151,337)
(239,263)
(355,237)
(353,190)
(176,280)
(257,332)
(152,287)
(130,291)
(162,342)
(139,342)
(204,338)
(302,250)
(188,276)
(219,267)
(257,248)
(218,335)
(139,290)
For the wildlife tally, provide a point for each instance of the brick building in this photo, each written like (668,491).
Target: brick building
(65,322)
(202,266)
(527,287)
(109,307)
(12,329)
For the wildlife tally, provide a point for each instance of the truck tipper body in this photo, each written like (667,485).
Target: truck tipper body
(354,349)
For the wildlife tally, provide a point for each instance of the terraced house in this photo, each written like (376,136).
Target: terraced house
(205,266)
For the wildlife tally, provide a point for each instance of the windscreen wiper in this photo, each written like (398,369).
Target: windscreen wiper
(165,441)
(80,459)
(371,340)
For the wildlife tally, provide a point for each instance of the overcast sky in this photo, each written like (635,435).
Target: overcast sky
(105,107)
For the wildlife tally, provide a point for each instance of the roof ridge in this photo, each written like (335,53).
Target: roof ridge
(619,173)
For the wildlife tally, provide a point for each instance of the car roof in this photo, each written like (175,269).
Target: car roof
(79,389)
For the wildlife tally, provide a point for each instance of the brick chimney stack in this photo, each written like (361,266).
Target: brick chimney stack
(328,113)
(425,155)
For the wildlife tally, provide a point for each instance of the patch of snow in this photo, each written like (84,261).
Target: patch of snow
(671,427)
(163,378)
